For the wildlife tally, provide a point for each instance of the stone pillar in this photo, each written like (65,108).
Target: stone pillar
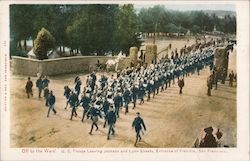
(151,53)
(133,55)
(221,62)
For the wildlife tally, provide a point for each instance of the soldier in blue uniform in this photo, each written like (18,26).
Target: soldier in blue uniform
(134,95)
(73,101)
(170,76)
(45,81)
(67,91)
(78,84)
(137,124)
(51,103)
(117,103)
(149,90)
(162,78)
(153,87)
(39,85)
(93,75)
(85,101)
(157,85)
(126,97)
(103,81)
(105,108)
(94,114)
(141,93)
(111,120)
(46,95)
(166,79)
(199,67)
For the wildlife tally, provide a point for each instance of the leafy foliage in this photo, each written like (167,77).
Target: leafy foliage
(126,28)
(43,43)
(176,21)
(106,28)
(196,29)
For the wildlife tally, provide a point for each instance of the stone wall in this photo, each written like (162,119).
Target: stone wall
(124,63)
(133,55)
(151,53)
(27,66)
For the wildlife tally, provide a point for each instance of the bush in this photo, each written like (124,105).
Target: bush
(43,43)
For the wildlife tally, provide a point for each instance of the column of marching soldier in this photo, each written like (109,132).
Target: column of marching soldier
(106,97)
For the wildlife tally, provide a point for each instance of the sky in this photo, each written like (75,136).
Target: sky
(186,7)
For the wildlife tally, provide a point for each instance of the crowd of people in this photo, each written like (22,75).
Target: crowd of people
(103,98)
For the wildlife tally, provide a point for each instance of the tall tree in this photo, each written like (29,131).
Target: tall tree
(43,43)
(21,23)
(126,28)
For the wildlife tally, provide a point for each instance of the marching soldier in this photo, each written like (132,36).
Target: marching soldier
(157,84)
(73,101)
(149,90)
(141,93)
(51,102)
(111,120)
(39,85)
(134,95)
(137,124)
(45,82)
(28,88)
(117,103)
(85,104)
(78,84)
(46,95)
(181,84)
(67,94)
(153,87)
(126,97)
(209,84)
(94,114)
(231,78)
(105,109)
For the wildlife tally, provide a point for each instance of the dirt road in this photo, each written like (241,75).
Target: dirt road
(172,120)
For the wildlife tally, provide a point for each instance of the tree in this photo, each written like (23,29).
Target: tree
(126,28)
(92,29)
(195,29)
(172,28)
(43,43)
(21,24)
(148,18)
